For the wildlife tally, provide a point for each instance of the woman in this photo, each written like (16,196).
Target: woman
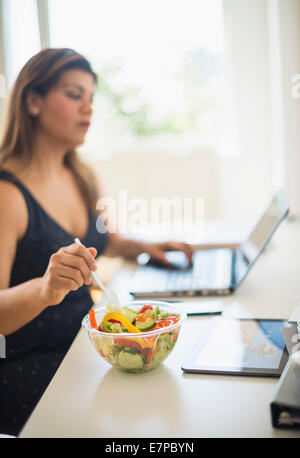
(47,197)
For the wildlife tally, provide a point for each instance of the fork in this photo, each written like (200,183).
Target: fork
(111,296)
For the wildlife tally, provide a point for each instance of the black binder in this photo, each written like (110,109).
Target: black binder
(285,407)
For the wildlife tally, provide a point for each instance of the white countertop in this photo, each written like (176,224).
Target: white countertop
(89,398)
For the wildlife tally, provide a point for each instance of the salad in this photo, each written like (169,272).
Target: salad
(128,347)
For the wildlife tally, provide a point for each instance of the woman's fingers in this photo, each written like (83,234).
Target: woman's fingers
(156,252)
(66,284)
(77,263)
(81,252)
(93,251)
(75,274)
(68,269)
(74,262)
(180,246)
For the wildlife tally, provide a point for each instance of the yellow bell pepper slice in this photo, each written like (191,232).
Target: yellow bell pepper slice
(116,316)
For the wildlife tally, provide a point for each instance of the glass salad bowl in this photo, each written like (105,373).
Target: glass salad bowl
(137,336)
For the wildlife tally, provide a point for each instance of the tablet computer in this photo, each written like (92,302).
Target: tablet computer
(240,347)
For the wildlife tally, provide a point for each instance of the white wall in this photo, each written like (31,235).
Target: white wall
(263,52)
(263,38)
(246,179)
(233,187)
(159,174)
(286,151)
(237,186)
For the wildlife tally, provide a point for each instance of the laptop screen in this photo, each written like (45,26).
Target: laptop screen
(250,249)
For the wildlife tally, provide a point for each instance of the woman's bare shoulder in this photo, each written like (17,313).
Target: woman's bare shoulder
(10,193)
(13,206)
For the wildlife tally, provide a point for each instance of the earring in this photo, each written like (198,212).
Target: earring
(34,112)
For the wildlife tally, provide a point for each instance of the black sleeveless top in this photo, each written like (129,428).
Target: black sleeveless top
(34,352)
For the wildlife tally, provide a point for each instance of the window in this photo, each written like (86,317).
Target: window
(159,65)
(21,35)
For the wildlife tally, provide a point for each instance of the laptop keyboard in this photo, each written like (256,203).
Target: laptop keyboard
(211,269)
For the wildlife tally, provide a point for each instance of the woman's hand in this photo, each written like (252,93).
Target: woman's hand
(157,250)
(130,249)
(68,269)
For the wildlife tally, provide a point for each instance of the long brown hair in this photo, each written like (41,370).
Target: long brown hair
(40,74)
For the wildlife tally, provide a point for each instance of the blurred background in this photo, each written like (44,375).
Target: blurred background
(196,98)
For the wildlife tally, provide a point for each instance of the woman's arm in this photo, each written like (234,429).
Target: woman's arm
(68,268)
(20,304)
(130,249)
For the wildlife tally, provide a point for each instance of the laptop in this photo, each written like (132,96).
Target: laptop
(214,271)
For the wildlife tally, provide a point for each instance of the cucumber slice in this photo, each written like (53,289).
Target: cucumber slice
(145,325)
(116,327)
(129,314)
(106,326)
(130,361)
(163,314)
(156,312)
